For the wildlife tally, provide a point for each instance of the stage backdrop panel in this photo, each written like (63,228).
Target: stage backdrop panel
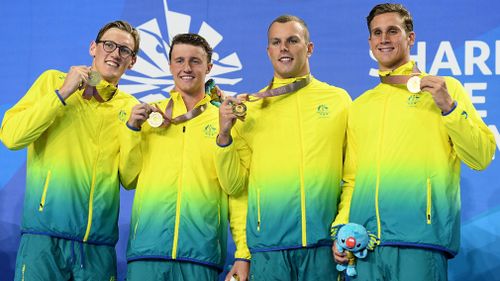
(459,38)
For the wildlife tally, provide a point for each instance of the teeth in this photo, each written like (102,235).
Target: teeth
(385,49)
(187,77)
(287,59)
(111,63)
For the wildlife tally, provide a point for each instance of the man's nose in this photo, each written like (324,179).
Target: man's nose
(186,67)
(284,47)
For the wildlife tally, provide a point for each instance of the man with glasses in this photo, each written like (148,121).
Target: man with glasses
(73,125)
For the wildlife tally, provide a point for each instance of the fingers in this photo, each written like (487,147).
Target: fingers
(432,83)
(230,274)
(76,79)
(436,86)
(81,73)
(140,113)
(143,110)
(340,257)
(243,97)
(220,93)
(226,108)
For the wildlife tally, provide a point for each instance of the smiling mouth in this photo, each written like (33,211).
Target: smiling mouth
(285,59)
(385,49)
(112,63)
(186,77)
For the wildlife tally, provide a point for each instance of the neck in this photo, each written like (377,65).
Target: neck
(394,67)
(190,100)
(303,73)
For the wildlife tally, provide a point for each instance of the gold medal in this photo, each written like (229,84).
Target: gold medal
(413,84)
(155,119)
(234,278)
(239,109)
(94,78)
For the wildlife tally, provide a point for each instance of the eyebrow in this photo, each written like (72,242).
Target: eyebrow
(388,27)
(287,38)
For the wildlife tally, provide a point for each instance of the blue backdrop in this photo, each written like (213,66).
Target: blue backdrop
(459,38)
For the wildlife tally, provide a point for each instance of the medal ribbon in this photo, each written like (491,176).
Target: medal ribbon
(184,117)
(240,109)
(400,79)
(91,91)
(292,87)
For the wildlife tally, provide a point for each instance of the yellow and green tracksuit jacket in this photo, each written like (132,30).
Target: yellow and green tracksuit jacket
(181,206)
(74,152)
(290,150)
(403,163)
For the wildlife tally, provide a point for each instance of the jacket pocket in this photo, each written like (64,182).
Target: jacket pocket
(428,212)
(44,193)
(258,209)
(218,214)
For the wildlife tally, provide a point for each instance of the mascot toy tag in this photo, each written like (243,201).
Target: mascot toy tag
(356,241)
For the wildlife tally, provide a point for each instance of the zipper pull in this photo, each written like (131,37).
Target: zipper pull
(183,129)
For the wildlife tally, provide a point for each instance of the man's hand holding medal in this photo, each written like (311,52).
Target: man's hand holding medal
(142,112)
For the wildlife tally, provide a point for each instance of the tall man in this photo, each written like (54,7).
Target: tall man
(181,207)
(75,146)
(406,139)
(291,150)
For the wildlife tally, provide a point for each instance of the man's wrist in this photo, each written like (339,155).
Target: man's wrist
(133,127)
(224,140)
(450,110)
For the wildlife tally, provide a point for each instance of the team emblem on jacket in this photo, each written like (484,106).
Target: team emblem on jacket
(210,131)
(413,99)
(323,110)
(122,115)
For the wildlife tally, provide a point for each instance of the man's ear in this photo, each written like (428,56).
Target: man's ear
(411,37)
(209,67)
(92,48)
(310,48)
(132,62)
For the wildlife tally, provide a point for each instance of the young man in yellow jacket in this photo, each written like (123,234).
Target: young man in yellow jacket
(182,204)
(406,140)
(289,150)
(73,125)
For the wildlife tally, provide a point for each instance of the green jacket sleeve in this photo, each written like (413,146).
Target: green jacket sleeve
(130,164)
(232,163)
(472,140)
(33,114)
(348,179)
(237,222)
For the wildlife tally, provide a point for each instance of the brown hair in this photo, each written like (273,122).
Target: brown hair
(191,39)
(289,18)
(122,25)
(391,8)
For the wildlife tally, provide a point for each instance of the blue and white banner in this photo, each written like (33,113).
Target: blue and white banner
(459,38)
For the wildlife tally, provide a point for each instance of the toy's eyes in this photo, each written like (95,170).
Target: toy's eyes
(359,245)
(343,240)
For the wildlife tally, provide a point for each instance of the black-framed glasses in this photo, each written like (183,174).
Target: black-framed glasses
(109,46)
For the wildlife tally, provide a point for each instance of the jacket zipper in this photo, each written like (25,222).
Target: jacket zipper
(44,193)
(379,160)
(302,185)
(179,198)
(92,186)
